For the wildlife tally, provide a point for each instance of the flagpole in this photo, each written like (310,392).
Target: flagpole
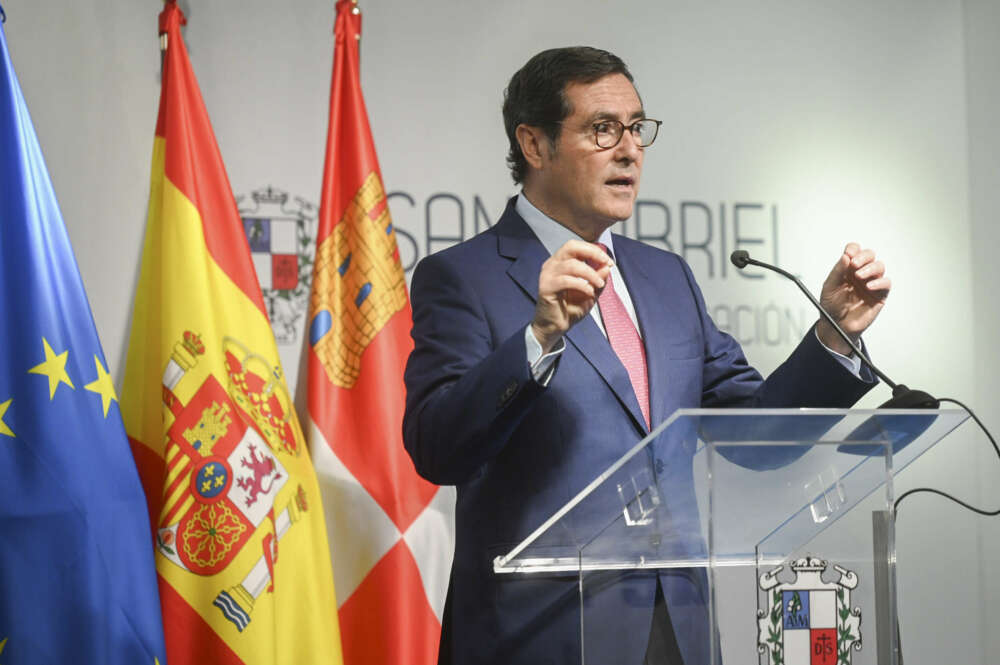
(163,34)
(164,41)
(357,12)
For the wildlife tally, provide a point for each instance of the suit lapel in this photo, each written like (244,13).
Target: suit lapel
(596,349)
(517,242)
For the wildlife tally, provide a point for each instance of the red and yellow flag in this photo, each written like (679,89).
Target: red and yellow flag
(241,547)
(391,532)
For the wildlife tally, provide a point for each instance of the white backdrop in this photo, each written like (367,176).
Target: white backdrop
(812,123)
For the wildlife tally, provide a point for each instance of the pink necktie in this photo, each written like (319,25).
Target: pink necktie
(625,341)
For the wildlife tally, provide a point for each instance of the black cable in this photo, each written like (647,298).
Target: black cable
(902,397)
(988,513)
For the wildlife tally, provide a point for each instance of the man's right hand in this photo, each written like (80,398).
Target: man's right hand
(568,286)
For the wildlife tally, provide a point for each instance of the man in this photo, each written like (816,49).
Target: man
(541,357)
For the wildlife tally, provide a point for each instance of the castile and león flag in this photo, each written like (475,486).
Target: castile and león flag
(391,532)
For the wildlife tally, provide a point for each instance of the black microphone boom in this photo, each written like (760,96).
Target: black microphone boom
(902,397)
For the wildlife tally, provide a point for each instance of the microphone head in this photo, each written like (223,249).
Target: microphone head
(740,258)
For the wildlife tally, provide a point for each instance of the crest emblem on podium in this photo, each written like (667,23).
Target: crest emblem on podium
(808,621)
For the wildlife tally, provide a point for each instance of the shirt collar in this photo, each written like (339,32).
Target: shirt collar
(549,232)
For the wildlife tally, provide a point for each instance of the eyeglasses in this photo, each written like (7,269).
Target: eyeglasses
(608,133)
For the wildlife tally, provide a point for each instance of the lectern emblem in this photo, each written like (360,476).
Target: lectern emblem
(808,621)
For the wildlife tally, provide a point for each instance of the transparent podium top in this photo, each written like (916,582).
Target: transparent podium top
(729,486)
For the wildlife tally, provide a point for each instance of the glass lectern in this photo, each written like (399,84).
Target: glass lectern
(770,533)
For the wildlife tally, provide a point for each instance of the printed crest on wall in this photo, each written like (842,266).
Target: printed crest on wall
(808,621)
(281,230)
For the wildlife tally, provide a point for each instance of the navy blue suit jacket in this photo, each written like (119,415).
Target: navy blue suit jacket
(518,451)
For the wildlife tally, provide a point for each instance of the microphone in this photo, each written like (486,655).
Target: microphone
(902,397)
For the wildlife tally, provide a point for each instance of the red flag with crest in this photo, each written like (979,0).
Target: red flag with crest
(391,533)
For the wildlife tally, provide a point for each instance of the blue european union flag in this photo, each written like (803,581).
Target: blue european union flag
(77,577)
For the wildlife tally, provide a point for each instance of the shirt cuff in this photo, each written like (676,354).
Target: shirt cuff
(851,363)
(543,365)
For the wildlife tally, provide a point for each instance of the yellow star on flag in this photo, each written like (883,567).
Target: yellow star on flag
(4,430)
(102,386)
(54,368)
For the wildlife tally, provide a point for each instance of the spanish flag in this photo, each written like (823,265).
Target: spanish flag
(240,539)
(392,533)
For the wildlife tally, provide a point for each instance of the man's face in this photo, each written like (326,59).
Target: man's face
(580,185)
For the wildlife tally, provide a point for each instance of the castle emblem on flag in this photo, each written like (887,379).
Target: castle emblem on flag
(808,621)
(359,284)
(224,469)
(281,232)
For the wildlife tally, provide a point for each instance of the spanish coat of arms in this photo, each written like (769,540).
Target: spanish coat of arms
(224,470)
(808,621)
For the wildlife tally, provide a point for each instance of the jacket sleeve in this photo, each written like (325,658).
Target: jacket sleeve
(810,377)
(466,392)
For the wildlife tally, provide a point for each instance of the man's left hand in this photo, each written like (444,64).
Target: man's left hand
(853,294)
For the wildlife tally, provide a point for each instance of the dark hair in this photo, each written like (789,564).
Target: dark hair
(536,93)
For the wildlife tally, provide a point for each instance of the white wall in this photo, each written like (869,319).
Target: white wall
(982,25)
(853,120)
